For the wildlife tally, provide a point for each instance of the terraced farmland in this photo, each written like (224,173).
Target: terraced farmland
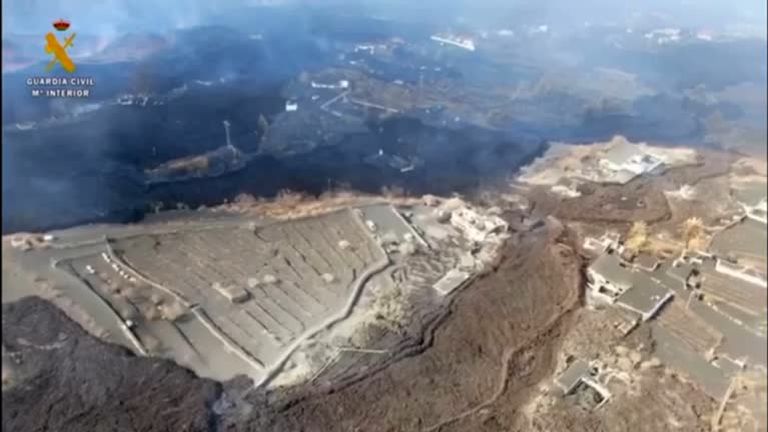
(284,278)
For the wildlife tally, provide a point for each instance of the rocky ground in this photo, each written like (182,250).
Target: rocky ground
(495,342)
(641,198)
(56,377)
(645,395)
(480,365)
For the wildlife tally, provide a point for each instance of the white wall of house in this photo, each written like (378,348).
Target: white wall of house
(728,269)
(597,281)
(477,227)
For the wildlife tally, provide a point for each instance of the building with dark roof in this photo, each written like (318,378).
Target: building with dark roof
(645,297)
(608,277)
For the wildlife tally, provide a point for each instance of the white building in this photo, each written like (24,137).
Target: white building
(739,272)
(465,43)
(339,85)
(370,48)
(450,281)
(607,278)
(625,156)
(612,281)
(475,226)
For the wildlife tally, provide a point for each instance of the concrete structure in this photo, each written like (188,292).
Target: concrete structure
(645,297)
(342,84)
(608,277)
(746,243)
(645,261)
(475,226)
(452,280)
(364,47)
(384,219)
(611,279)
(682,270)
(465,43)
(233,293)
(715,324)
(577,377)
(624,156)
(594,386)
(740,272)
(572,376)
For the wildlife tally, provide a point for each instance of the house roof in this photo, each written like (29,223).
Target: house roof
(609,266)
(572,375)
(681,271)
(621,152)
(645,296)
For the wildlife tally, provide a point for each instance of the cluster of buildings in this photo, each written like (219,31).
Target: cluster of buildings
(644,284)
(479,228)
(722,289)
(615,281)
(25,242)
(475,226)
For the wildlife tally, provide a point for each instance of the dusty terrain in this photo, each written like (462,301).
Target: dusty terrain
(647,397)
(463,374)
(483,361)
(641,198)
(473,368)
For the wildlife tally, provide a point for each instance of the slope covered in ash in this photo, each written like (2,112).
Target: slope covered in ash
(56,377)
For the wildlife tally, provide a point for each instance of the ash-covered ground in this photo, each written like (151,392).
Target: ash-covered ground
(57,377)
(448,367)
(365,100)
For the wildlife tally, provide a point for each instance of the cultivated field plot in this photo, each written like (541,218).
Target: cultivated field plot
(263,287)
(747,241)
(689,328)
(743,295)
(158,326)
